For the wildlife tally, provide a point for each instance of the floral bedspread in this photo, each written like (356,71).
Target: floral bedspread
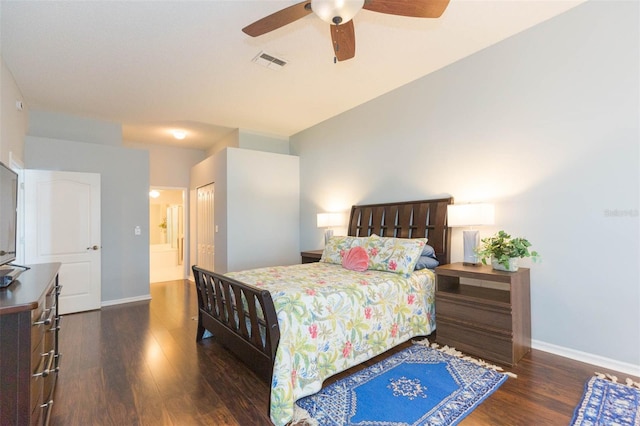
(332,318)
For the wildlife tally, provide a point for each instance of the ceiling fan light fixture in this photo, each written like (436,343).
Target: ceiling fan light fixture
(336,12)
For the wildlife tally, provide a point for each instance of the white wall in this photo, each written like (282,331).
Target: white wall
(169,165)
(256,208)
(263,209)
(124,195)
(50,124)
(13,123)
(544,124)
(232,139)
(258,142)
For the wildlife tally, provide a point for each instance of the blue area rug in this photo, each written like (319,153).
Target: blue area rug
(607,403)
(417,386)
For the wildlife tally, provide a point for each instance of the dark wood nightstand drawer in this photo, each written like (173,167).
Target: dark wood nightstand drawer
(479,314)
(476,341)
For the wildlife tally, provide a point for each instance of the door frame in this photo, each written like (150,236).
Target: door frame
(185,224)
(212,228)
(81,267)
(18,166)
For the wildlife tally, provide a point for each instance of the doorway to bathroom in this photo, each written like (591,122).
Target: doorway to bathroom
(166,234)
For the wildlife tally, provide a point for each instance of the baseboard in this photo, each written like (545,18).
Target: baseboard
(605,363)
(125,300)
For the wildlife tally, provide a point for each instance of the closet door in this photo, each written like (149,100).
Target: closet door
(205,227)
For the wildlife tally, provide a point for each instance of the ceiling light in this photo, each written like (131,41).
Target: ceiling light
(179,134)
(154,194)
(336,11)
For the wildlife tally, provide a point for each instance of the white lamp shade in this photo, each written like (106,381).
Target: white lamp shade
(473,214)
(329,220)
(329,10)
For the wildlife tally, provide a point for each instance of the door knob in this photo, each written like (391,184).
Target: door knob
(93,248)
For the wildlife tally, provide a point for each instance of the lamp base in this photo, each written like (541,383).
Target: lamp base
(328,233)
(471,239)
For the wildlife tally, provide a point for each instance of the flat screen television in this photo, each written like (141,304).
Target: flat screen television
(8,214)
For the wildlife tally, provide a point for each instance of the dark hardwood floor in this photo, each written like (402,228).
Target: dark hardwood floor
(139,364)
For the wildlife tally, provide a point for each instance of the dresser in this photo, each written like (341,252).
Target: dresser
(29,357)
(484,312)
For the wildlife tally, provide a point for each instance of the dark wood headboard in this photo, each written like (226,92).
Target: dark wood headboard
(409,219)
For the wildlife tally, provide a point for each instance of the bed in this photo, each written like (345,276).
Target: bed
(297,325)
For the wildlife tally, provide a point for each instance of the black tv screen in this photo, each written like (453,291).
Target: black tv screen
(8,214)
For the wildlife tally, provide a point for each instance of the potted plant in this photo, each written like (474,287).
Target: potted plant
(504,251)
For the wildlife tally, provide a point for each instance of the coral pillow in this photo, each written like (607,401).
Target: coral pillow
(338,246)
(356,259)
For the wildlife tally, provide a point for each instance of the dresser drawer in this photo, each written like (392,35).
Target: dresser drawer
(38,316)
(479,342)
(43,317)
(478,314)
(43,370)
(37,416)
(38,364)
(43,378)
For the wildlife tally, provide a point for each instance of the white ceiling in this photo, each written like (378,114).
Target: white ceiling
(158,65)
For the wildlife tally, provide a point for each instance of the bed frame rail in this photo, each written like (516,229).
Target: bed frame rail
(229,308)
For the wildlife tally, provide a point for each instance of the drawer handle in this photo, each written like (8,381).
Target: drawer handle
(47,404)
(47,370)
(49,313)
(43,322)
(58,356)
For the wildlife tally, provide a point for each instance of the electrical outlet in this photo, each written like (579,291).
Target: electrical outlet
(137,230)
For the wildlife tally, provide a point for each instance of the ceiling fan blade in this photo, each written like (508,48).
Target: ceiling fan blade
(414,8)
(343,38)
(278,19)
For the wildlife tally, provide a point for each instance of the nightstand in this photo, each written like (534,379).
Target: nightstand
(311,256)
(484,312)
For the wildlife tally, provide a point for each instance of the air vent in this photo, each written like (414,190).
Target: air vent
(269,61)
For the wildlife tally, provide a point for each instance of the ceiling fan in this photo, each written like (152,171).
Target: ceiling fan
(339,14)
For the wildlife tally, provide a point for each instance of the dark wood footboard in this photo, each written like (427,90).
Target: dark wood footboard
(240,317)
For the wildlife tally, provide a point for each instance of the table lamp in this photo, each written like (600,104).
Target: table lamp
(473,214)
(328,221)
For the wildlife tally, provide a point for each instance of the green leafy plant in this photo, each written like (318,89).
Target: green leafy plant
(501,247)
(163,224)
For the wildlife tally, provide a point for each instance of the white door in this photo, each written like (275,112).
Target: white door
(62,224)
(205,227)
